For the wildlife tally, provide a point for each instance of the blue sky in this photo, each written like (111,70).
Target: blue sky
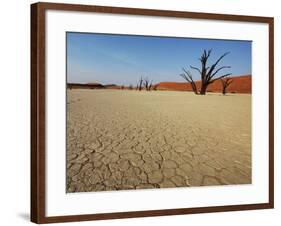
(122,59)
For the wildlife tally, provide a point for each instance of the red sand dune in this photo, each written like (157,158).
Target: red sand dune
(240,84)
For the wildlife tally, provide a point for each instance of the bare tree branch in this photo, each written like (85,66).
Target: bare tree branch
(225,83)
(222,76)
(222,56)
(188,74)
(188,77)
(195,68)
(221,68)
(185,77)
(210,72)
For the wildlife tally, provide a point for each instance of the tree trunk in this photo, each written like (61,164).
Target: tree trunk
(203,89)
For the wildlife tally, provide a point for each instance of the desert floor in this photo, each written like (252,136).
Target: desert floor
(121,139)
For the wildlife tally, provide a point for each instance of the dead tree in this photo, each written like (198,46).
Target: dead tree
(188,77)
(150,86)
(225,82)
(146,83)
(207,73)
(140,84)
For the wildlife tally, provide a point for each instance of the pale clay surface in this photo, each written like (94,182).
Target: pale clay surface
(121,139)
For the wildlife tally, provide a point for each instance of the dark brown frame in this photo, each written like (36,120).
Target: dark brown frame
(38,22)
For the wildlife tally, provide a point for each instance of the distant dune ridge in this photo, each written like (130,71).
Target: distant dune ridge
(85,86)
(240,84)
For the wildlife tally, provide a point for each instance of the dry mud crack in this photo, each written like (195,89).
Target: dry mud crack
(129,140)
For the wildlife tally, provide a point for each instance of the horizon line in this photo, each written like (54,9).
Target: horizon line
(96,82)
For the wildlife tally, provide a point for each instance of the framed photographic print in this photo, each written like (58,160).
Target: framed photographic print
(141,112)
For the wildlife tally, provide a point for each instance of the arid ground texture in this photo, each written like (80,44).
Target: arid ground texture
(128,139)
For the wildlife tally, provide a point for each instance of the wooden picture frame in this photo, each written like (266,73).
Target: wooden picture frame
(38,108)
